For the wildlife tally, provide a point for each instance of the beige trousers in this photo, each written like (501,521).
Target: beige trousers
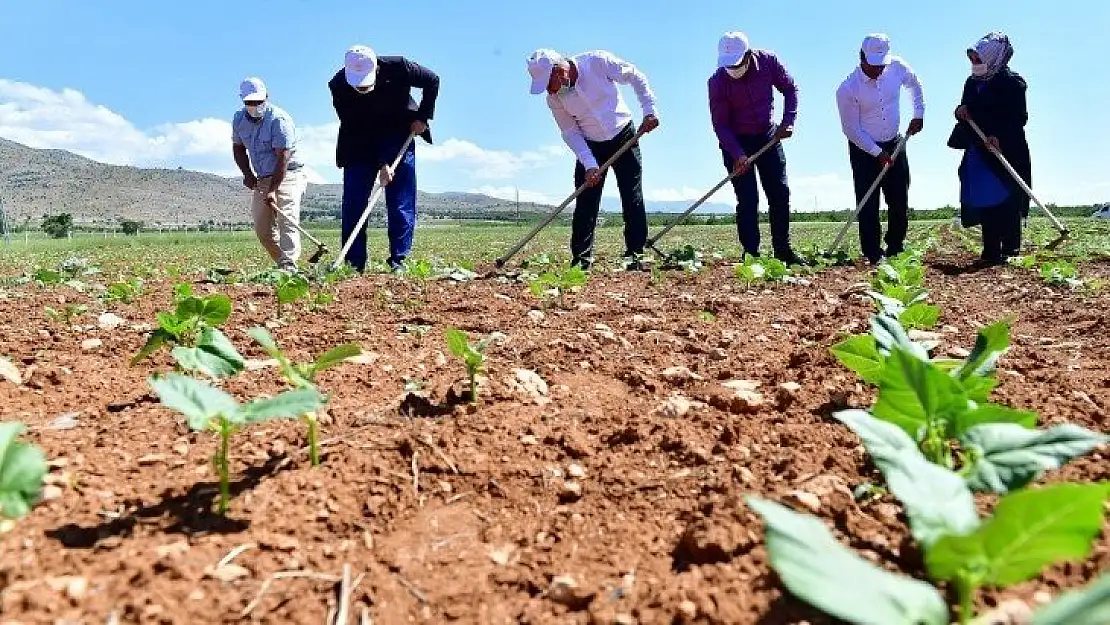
(277,234)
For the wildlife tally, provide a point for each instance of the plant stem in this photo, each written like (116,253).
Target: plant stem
(965,588)
(222,464)
(473,387)
(313,452)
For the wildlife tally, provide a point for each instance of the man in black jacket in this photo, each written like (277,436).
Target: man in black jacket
(376,114)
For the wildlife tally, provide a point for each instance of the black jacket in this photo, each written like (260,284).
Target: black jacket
(998,108)
(385,113)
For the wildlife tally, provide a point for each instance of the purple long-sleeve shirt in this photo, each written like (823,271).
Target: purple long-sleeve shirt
(745,105)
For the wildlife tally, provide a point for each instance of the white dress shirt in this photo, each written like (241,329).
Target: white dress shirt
(869,109)
(593,108)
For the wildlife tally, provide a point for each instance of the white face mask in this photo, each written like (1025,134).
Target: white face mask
(737,72)
(255,110)
(978,69)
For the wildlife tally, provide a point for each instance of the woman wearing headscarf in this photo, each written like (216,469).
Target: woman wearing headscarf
(994,98)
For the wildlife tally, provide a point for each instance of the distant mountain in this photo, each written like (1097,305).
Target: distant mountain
(36,182)
(614,205)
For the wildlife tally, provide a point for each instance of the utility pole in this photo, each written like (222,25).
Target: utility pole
(5,225)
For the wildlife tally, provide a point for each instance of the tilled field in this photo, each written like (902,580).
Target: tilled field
(611,492)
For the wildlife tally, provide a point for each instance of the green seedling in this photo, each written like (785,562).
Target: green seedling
(303,376)
(755,269)
(943,406)
(1029,531)
(209,409)
(554,285)
(706,316)
(193,330)
(124,292)
(47,277)
(320,300)
(417,330)
(22,468)
(1023,262)
(1031,528)
(472,355)
(1061,273)
(686,258)
(67,315)
(290,288)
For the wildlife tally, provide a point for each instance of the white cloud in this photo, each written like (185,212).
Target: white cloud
(686,194)
(488,164)
(67,120)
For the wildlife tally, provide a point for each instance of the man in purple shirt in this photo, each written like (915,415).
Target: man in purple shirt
(741,102)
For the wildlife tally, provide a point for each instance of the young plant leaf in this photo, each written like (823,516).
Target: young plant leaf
(978,388)
(215,309)
(914,392)
(889,334)
(198,401)
(336,356)
(861,354)
(937,502)
(287,405)
(157,339)
(1031,529)
(822,572)
(990,343)
(457,342)
(1087,605)
(920,316)
(992,413)
(263,337)
(1009,456)
(214,355)
(22,467)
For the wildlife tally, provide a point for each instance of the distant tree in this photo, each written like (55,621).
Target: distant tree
(131,226)
(57,226)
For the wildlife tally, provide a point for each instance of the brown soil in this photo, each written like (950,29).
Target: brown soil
(446,513)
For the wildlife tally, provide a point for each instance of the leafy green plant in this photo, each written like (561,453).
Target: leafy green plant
(67,315)
(290,288)
(1062,273)
(209,409)
(943,407)
(193,330)
(303,376)
(554,285)
(124,291)
(686,258)
(472,355)
(755,269)
(1028,531)
(22,468)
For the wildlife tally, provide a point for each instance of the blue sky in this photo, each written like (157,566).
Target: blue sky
(156,83)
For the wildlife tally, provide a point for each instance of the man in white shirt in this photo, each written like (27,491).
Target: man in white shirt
(868,101)
(595,122)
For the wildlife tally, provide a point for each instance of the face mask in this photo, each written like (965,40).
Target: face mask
(737,72)
(978,69)
(565,89)
(364,90)
(256,110)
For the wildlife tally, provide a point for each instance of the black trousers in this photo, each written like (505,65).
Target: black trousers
(1002,228)
(629,171)
(896,190)
(771,167)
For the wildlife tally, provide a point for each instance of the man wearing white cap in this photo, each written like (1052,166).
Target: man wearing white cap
(371,96)
(742,106)
(264,144)
(869,116)
(595,122)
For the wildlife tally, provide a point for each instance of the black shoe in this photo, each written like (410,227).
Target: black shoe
(582,263)
(790,258)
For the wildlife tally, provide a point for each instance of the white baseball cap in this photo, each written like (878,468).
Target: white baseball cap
(876,49)
(731,48)
(252,89)
(361,66)
(540,65)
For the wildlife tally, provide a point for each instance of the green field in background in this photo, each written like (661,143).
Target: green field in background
(192,251)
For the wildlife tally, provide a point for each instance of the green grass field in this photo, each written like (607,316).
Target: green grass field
(185,252)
